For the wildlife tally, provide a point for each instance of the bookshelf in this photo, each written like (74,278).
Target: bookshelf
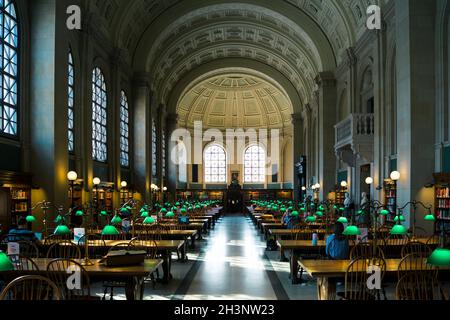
(340,195)
(126,195)
(442,199)
(15,198)
(104,195)
(390,198)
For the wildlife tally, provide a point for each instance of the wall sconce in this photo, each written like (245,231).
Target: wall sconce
(96,181)
(344,184)
(123,184)
(369,180)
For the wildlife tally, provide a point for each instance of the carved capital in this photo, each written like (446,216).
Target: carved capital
(325,80)
(142,79)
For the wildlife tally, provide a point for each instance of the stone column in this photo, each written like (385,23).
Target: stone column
(48,103)
(172,174)
(142,132)
(415,38)
(161,128)
(326,122)
(297,122)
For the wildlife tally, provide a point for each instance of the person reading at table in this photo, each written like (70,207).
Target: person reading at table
(337,246)
(289,220)
(22,232)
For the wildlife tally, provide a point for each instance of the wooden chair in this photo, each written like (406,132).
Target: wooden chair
(111,285)
(356,279)
(120,236)
(366,251)
(416,247)
(64,250)
(425,287)
(57,271)
(96,245)
(415,263)
(57,238)
(31,288)
(152,253)
(392,243)
(28,249)
(23,263)
(433,240)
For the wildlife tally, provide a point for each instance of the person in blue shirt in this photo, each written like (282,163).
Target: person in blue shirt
(22,232)
(337,246)
(290,220)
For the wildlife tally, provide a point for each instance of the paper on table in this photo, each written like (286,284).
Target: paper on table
(78,233)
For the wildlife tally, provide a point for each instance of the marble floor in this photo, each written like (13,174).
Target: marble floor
(232,263)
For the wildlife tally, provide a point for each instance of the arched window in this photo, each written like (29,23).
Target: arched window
(154,150)
(9,42)
(255,165)
(99,117)
(215,164)
(70,104)
(124,131)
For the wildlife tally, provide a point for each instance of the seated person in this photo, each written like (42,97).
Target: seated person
(337,246)
(289,220)
(22,232)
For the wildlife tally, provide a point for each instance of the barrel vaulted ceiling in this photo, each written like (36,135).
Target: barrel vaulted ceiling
(168,38)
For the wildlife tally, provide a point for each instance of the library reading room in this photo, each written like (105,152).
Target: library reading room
(224,150)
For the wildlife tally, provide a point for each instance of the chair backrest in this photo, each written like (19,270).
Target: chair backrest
(64,250)
(366,250)
(418,287)
(139,244)
(28,249)
(31,288)
(120,236)
(357,276)
(96,245)
(393,243)
(416,247)
(23,263)
(52,238)
(415,263)
(121,246)
(60,270)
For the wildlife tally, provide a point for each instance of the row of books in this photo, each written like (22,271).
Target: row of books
(442,192)
(443,213)
(443,203)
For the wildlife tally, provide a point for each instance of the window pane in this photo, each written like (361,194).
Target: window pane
(124,130)
(254,165)
(215,164)
(99,117)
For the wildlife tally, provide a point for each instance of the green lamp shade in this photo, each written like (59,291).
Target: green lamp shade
(291,208)
(439,257)
(79,213)
(163,211)
(310,219)
(149,220)
(402,218)
(295,213)
(430,217)
(59,219)
(177,204)
(335,207)
(170,214)
(143,209)
(183,211)
(31,219)
(124,211)
(110,231)
(62,230)
(352,231)
(319,213)
(360,212)
(197,207)
(116,220)
(343,220)
(341,209)
(384,212)
(144,214)
(313,205)
(103,213)
(321,208)
(302,209)
(283,210)
(398,229)
(5,263)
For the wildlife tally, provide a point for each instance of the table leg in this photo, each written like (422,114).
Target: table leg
(326,289)
(166,257)
(183,252)
(294,267)
(192,242)
(134,289)
(199,234)
(282,256)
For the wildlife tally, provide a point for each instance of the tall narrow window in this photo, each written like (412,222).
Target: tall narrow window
(255,165)
(124,131)
(154,150)
(99,117)
(70,104)
(9,47)
(215,164)
(163,149)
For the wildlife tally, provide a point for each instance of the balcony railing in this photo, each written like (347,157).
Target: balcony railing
(357,128)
